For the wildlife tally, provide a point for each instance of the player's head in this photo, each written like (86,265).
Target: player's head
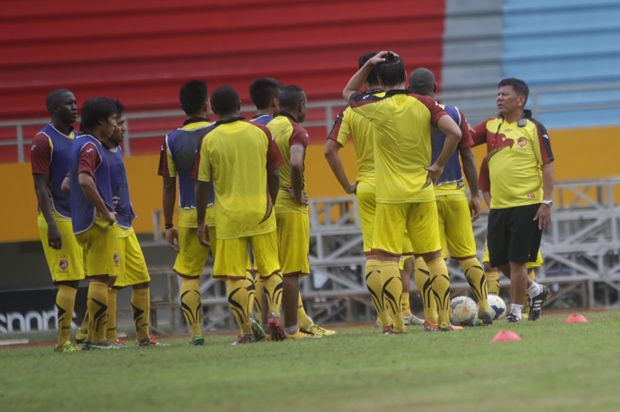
(422,81)
(293,100)
(372,81)
(511,95)
(264,92)
(391,72)
(62,106)
(119,132)
(225,102)
(194,98)
(99,117)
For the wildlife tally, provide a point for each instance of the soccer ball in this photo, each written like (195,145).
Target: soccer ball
(464,311)
(498,306)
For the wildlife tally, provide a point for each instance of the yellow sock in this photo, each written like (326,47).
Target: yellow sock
(477,282)
(375,287)
(423,282)
(440,281)
(406,304)
(258,296)
(190,304)
(531,274)
(303,320)
(82,332)
(65,302)
(97,305)
(110,333)
(492,281)
(272,286)
(392,292)
(239,302)
(141,306)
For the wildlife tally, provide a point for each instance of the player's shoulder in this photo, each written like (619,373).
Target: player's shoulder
(535,123)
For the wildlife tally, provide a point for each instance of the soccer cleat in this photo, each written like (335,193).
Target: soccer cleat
(197,341)
(66,347)
(80,337)
(316,330)
(430,326)
(103,345)
(301,335)
(486,318)
(119,343)
(243,340)
(537,302)
(275,328)
(412,319)
(152,341)
(447,327)
(512,318)
(257,330)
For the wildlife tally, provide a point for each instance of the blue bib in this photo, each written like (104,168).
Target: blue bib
(452,172)
(120,188)
(59,167)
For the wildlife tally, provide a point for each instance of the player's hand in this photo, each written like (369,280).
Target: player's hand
(380,57)
(110,217)
(543,215)
(301,198)
(474,207)
(352,189)
(435,171)
(172,239)
(53,237)
(203,234)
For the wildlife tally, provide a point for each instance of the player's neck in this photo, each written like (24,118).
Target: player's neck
(513,116)
(400,86)
(227,117)
(63,128)
(266,112)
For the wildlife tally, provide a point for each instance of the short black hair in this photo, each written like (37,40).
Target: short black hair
(120,108)
(53,98)
(225,100)
(96,109)
(372,76)
(291,96)
(193,96)
(518,85)
(422,81)
(263,90)
(391,71)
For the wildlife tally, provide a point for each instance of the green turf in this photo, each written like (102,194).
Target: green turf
(556,367)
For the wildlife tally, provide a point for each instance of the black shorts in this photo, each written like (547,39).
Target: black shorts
(513,235)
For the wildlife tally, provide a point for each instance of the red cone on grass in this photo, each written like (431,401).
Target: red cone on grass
(506,336)
(576,318)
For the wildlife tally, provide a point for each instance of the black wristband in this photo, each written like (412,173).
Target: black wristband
(168,226)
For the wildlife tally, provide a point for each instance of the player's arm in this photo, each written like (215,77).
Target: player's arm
(453,135)
(274,161)
(297,174)
(202,174)
(469,167)
(333,146)
(484,181)
(88,162)
(40,160)
(543,215)
(169,192)
(356,82)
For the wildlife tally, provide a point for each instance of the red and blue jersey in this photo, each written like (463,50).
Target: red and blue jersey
(50,154)
(88,156)
(120,188)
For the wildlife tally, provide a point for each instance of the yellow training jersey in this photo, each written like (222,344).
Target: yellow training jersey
(287,132)
(236,155)
(360,130)
(402,145)
(516,153)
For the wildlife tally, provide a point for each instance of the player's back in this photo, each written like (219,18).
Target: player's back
(120,187)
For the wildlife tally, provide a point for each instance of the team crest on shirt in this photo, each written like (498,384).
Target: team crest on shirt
(522,142)
(116,259)
(63,264)
(531,196)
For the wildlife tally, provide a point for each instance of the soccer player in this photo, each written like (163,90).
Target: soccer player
(352,125)
(292,210)
(455,213)
(240,160)
(176,160)
(132,266)
(50,154)
(92,210)
(404,174)
(521,177)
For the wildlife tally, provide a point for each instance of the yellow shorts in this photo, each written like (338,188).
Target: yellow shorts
(101,249)
(455,229)
(366,207)
(192,256)
(418,219)
(231,255)
(293,242)
(132,266)
(66,263)
(530,265)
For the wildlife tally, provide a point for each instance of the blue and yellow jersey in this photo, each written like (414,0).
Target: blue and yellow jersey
(261,119)
(120,188)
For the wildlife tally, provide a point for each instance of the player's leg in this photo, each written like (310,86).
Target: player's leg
(424,285)
(66,269)
(531,274)
(119,283)
(492,273)
(406,269)
(189,265)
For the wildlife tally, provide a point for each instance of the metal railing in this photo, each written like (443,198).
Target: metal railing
(331,106)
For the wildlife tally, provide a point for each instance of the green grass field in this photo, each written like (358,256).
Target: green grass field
(556,367)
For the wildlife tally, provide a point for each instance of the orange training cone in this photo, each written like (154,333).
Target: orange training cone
(506,336)
(576,318)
